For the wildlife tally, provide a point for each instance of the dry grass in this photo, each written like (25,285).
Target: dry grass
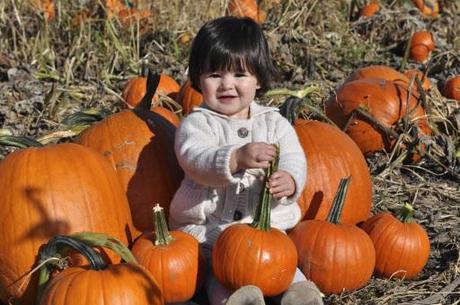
(51,70)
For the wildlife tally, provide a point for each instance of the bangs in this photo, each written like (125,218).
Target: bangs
(223,59)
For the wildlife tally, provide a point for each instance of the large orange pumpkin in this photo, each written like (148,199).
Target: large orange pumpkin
(188,97)
(331,155)
(173,258)
(378,71)
(335,256)
(140,145)
(401,245)
(136,88)
(57,189)
(386,101)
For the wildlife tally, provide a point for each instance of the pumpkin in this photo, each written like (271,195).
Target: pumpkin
(452,88)
(188,97)
(255,254)
(421,45)
(246,8)
(331,154)
(412,73)
(101,284)
(56,189)
(427,7)
(369,9)
(172,257)
(140,145)
(378,71)
(385,101)
(401,245)
(136,88)
(336,257)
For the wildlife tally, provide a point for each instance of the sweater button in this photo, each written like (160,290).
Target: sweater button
(243,132)
(237,215)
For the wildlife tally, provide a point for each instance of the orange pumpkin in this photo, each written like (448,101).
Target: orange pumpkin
(386,101)
(188,97)
(369,9)
(378,71)
(57,189)
(401,245)
(136,88)
(140,145)
(452,88)
(331,154)
(255,254)
(413,73)
(246,8)
(422,44)
(335,256)
(173,258)
(427,7)
(101,284)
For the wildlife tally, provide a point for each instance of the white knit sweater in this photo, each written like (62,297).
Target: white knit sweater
(210,198)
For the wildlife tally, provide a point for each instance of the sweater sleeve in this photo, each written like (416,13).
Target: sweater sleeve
(199,154)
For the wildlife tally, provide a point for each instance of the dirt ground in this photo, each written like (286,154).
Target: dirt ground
(50,70)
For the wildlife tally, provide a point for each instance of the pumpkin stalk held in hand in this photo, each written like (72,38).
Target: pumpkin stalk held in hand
(255,254)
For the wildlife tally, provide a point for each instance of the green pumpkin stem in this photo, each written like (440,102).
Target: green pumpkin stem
(55,249)
(163,237)
(339,200)
(406,214)
(262,219)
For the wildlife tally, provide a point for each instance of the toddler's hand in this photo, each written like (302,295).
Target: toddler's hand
(281,184)
(254,155)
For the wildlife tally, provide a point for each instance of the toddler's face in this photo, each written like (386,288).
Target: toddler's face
(229,92)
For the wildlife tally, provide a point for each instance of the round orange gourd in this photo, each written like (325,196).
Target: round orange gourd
(386,101)
(57,189)
(140,145)
(378,71)
(369,9)
(173,258)
(255,254)
(188,97)
(336,257)
(246,8)
(401,245)
(427,7)
(100,284)
(331,155)
(422,44)
(452,88)
(136,88)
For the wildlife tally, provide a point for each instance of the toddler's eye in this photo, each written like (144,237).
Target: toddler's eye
(241,74)
(214,75)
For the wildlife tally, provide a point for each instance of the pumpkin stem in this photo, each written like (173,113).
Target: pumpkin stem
(293,106)
(54,248)
(262,218)
(153,80)
(163,237)
(406,214)
(339,200)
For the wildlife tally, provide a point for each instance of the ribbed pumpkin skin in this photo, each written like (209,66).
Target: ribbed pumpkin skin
(378,71)
(122,284)
(246,8)
(136,88)
(144,160)
(386,101)
(188,98)
(332,155)
(402,249)
(58,189)
(243,255)
(452,88)
(176,267)
(335,257)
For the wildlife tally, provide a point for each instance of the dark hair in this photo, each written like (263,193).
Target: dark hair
(232,43)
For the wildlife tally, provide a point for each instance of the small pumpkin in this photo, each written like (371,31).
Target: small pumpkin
(401,245)
(101,284)
(369,9)
(336,257)
(255,254)
(173,258)
(427,7)
(246,8)
(421,45)
(136,88)
(452,88)
(188,97)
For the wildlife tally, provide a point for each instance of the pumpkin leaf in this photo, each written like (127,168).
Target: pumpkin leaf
(19,141)
(85,117)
